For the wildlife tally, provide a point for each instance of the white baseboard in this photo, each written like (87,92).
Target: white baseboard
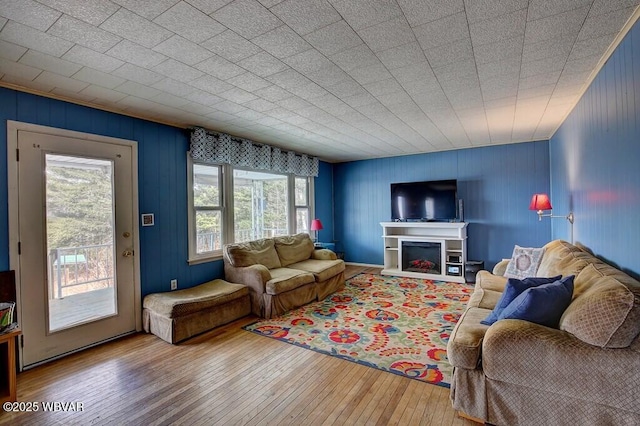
(368,265)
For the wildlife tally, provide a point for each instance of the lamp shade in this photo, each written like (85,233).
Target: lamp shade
(540,202)
(316,225)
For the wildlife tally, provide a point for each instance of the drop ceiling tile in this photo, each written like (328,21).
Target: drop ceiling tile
(249,82)
(146,9)
(50,63)
(248,18)
(308,61)
(250,115)
(204,98)
(209,6)
(608,23)
(23,35)
(279,113)
(29,12)
(534,92)
(502,27)
(480,10)
(219,67)
(93,59)
(346,88)
(102,95)
(98,78)
(449,53)
(388,34)
(508,68)
(93,12)
(539,80)
(563,24)
(16,69)
(421,71)
(591,46)
(308,91)
(282,42)
(169,100)
(59,81)
(558,46)
(306,16)
(333,38)
(237,95)
(211,84)
(383,87)
(569,78)
(370,74)
(173,87)
(329,76)
(402,56)
(542,66)
(135,28)
(177,70)
(136,54)
(189,22)
(22,80)
(419,12)
(457,72)
(357,101)
(581,65)
(364,13)
(230,107)
(273,93)
(260,105)
(137,74)
(288,79)
(442,31)
(263,64)
(356,57)
(543,8)
(269,121)
(395,99)
(183,50)
(293,104)
(499,50)
(600,7)
(84,34)
(11,51)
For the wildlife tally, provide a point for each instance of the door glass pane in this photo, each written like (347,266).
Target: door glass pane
(259,205)
(80,240)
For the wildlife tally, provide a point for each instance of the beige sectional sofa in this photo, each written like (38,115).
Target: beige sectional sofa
(283,273)
(585,372)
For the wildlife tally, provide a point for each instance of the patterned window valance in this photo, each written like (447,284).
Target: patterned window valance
(210,147)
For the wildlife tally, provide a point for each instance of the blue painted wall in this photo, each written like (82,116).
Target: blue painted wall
(324,202)
(496,184)
(162,182)
(595,159)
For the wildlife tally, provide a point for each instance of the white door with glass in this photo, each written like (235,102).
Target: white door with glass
(76,243)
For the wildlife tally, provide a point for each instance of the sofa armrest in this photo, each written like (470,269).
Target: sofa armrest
(323,254)
(253,276)
(534,356)
(501,267)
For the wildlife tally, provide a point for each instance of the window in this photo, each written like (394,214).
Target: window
(228,204)
(206,231)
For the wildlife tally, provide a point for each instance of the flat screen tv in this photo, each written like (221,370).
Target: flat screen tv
(424,201)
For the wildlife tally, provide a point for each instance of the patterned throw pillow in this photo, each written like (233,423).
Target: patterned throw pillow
(524,262)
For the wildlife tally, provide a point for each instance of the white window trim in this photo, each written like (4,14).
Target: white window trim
(227,209)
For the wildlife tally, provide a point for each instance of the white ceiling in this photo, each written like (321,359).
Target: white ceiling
(340,79)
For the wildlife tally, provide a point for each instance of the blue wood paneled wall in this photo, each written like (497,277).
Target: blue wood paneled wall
(162,183)
(595,158)
(324,201)
(495,183)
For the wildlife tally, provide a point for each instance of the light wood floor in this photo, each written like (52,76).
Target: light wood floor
(229,377)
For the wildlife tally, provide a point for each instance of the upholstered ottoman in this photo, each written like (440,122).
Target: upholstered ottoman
(178,315)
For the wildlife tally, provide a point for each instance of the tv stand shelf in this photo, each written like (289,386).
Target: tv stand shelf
(452,237)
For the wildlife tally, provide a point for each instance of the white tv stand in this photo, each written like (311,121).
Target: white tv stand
(451,235)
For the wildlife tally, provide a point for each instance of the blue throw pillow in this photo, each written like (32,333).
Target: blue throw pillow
(543,304)
(513,289)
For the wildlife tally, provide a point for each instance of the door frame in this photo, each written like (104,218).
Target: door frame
(12,180)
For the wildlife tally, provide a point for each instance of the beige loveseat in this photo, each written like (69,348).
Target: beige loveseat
(283,273)
(586,372)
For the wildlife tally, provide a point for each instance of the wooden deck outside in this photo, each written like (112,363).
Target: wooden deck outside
(225,377)
(81,307)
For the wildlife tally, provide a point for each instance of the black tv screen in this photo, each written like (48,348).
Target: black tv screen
(430,200)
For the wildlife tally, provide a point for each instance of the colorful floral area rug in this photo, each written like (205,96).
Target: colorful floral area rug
(399,325)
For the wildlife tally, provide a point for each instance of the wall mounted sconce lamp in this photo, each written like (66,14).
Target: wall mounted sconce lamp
(541,202)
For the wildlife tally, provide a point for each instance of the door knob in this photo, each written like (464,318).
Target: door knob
(127,253)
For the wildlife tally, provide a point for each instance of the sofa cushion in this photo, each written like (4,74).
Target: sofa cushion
(293,248)
(606,313)
(562,258)
(543,304)
(322,270)
(285,279)
(524,262)
(249,253)
(513,289)
(465,344)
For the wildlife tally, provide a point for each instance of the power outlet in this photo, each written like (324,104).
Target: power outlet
(174,284)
